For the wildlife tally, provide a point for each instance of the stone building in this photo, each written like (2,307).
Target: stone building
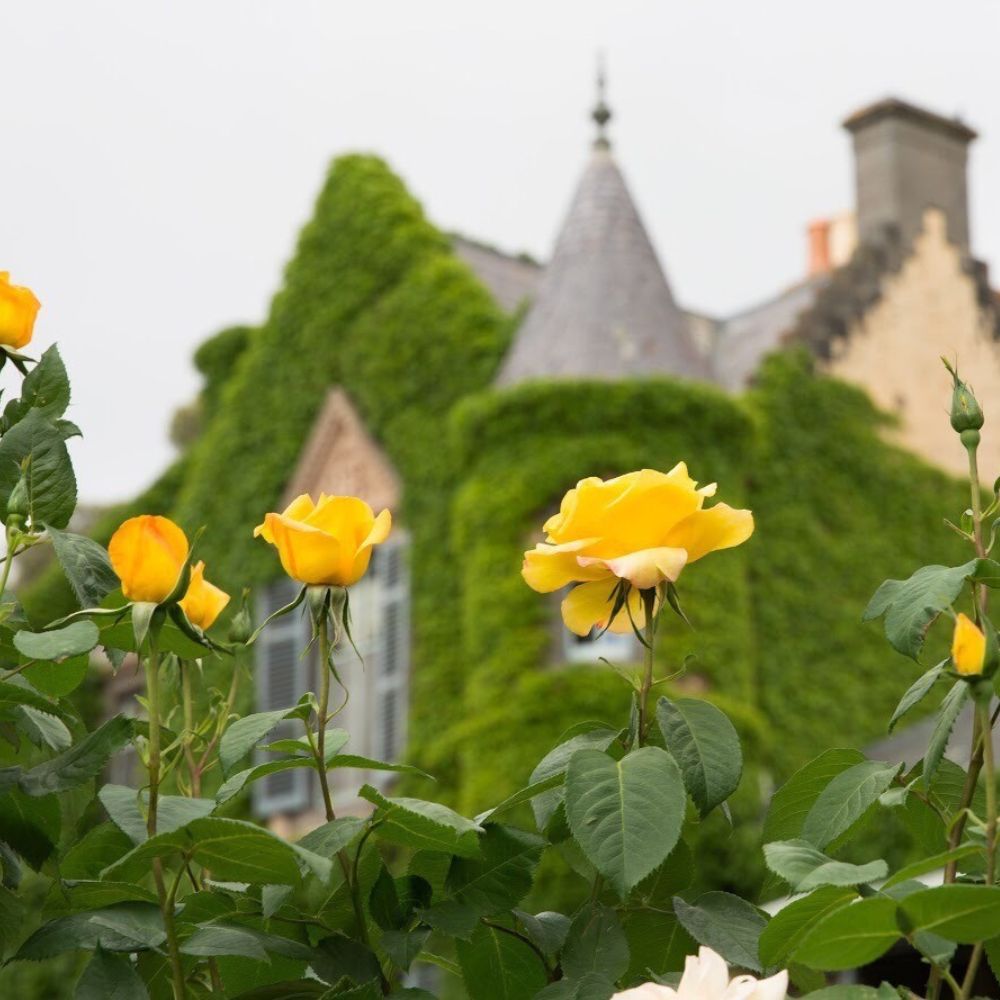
(889,287)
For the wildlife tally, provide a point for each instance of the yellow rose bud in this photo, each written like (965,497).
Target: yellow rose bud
(18,308)
(328,543)
(148,553)
(203,602)
(644,528)
(968,647)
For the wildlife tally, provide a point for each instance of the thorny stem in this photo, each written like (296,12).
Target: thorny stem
(194,774)
(166,899)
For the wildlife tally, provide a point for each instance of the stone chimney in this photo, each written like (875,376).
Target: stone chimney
(907,160)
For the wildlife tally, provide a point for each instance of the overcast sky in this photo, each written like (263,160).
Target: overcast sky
(158,158)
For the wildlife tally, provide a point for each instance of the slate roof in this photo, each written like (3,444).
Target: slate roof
(604,309)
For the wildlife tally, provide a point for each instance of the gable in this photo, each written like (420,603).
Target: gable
(928,307)
(341,458)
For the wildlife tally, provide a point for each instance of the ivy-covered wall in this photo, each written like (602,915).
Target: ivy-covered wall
(374,300)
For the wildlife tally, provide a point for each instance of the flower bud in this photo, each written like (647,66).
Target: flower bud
(968,647)
(18,505)
(966,413)
(241,625)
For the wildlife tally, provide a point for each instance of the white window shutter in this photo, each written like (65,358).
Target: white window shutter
(283,675)
(392,659)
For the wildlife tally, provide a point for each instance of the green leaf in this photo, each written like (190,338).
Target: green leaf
(58,679)
(626,815)
(333,836)
(244,734)
(13,695)
(497,966)
(37,443)
(31,826)
(846,799)
(792,802)
(592,986)
(44,389)
(501,876)
(911,606)
(235,783)
(301,989)
(86,565)
(962,913)
(110,977)
(851,936)
(524,795)
(95,895)
(726,924)
(423,825)
(675,874)
(127,809)
(337,957)
(44,729)
(848,991)
(916,691)
(931,864)
(124,927)
(98,849)
(235,851)
(230,939)
(83,760)
(657,942)
(70,640)
(705,745)
(393,900)
(951,707)
(371,764)
(804,867)
(789,926)
(555,762)
(547,930)
(595,943)
(403,946)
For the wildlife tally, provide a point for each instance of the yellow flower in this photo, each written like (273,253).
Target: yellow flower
(644,528)
(325,544)
(203,602)
(968,647)
(18,308)
(148,553)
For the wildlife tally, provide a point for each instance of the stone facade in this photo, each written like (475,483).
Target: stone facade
(928,308)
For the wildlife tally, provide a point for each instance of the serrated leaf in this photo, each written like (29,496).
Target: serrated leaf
(851,936)
(99,848)
(520,797)
(13,695)
(791,924)
(706,746)
(497,966)
(962,913)
(57,644)
(333,836)
(931,864)
(125,927)
(804,867)
(36,443)
(86,565)
(951,707)
(44,729)
(30,825)
(57,679)
(910,606)
(595,943)
(725,923)
(110,977)
(657,942)
(916,692)
(501,876)
(554,763)
(44,389)
(235,851)
(845,800)
(547,930)
(81,762)
(244,734)
(423,825)
(626,815)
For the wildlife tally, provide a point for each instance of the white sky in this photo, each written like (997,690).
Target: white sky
(158,158)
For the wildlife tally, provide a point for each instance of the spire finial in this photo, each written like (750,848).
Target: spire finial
(601,113)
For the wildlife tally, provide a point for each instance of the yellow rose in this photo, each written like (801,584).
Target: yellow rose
(203,602)
(18,308)
(148,553)
(325,544)
(968,647)
(644,527)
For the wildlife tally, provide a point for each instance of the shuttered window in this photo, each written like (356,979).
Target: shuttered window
(392,659)
(283,675)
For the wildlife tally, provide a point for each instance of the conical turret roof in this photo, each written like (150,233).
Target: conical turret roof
(604,309)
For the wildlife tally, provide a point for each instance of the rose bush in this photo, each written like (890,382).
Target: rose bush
(166,891)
